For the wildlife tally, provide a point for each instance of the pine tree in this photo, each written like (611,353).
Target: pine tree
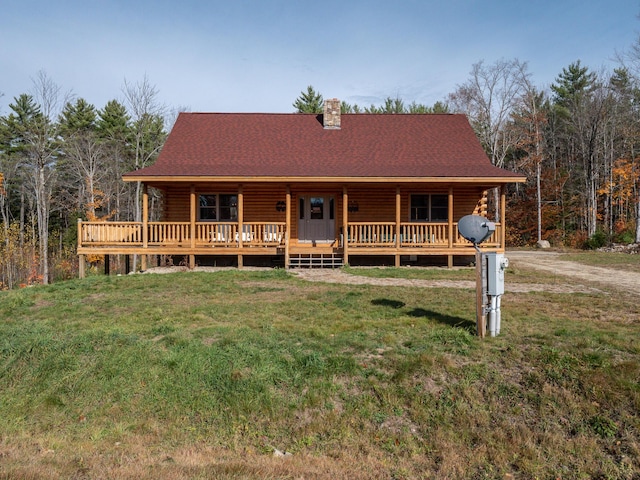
(309,102)
(114,129)
(79,116)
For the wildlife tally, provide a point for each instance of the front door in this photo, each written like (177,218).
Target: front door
(316,219)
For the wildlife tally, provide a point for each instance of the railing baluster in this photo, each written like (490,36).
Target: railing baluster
(160,234)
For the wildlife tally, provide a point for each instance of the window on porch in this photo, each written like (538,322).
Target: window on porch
(217,207)
(429,208)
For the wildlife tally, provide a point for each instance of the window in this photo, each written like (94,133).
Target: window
(218,207)
(419,208)
(208,210)
(228,207)
(316,205)
(429,208)
(439,208)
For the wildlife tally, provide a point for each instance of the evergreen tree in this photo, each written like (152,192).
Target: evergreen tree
(581,103)
(393,105)
(572,85)
(346,107)
(309,102)
(113,122)
(114,129)
(77,117)
(14,132)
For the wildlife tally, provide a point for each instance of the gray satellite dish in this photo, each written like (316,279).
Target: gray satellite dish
(475,228)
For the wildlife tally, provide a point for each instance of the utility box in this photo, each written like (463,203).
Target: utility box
(497,263)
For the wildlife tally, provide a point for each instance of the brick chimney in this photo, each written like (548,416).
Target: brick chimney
(331,117)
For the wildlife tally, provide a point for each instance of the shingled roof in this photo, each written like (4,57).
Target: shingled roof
(296,146)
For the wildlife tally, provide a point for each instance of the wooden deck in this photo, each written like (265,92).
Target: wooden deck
(270,238)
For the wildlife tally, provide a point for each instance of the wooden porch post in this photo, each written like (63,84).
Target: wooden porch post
(192,226)
(81,259)
(398,217)
(450,221)
(240,223)
(503,216)
(145,225)
(287,228)
(345,224)
(81,266)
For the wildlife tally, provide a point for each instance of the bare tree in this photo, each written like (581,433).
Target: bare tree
(529,122)
(172,115)
(630,62)
(488,98)
(147,125)
(85,167)
(40,160)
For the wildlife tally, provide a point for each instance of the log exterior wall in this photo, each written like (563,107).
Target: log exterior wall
(375,203)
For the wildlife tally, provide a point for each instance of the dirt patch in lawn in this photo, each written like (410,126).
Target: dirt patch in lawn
(591,279)
(339,276)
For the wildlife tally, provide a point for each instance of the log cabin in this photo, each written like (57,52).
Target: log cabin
(301,190)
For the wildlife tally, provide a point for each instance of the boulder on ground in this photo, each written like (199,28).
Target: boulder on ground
(543,244)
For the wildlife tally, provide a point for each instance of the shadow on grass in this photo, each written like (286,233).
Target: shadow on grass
(457,322)
(386,302)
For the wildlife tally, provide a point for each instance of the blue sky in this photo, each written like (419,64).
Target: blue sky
(258,55)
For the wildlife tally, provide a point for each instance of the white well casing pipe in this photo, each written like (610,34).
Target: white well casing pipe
(492,316)
(498,314)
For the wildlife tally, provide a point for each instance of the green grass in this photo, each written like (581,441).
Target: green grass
(203,375)
(415,273)
(622,261)
(515,274)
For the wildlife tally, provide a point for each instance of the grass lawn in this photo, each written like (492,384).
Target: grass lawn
(415,273)
(206,375)
(622,261)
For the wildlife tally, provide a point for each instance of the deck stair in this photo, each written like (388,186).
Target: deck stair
(316,260)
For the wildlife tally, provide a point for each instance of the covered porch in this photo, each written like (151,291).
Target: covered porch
(277,221)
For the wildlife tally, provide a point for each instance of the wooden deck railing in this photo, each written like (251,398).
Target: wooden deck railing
(169,234)
(435,234)
(266,234)
(424,234)
(364,234)
(178,234)
(109,233)
(216,234)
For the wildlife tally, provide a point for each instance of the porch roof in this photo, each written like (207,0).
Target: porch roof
(224,146)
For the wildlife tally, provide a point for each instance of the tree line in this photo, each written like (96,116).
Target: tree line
(577,142)
(311,101)
(62,159)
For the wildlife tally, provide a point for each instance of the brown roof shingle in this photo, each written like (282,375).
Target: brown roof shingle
(297,145)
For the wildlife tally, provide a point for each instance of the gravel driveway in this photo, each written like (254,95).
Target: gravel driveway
(549,262)
(590,277)
(565,275)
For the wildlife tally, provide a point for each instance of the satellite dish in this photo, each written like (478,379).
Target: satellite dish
(475,228)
